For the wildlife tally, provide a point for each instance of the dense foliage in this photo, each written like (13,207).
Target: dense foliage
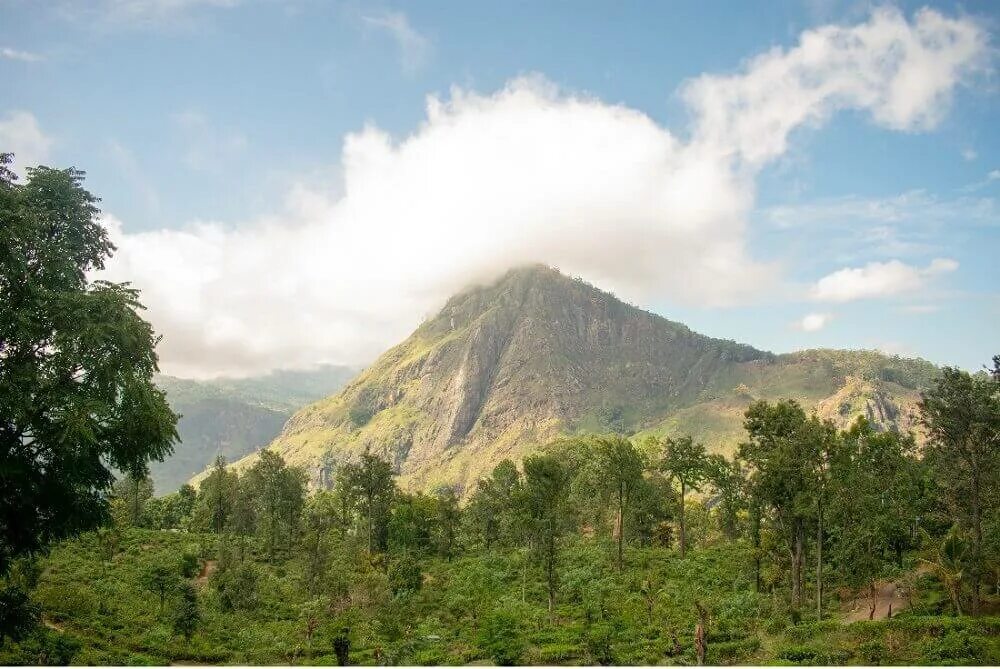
(570,558)
(77,400)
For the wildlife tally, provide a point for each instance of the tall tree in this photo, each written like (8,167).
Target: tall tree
(448,519)
(491,509)
(213,508)
(369,484)
(543,504)
(783,454)
(687,462)
(872,495)
(961,415)
(278,494)
(76,365)
(727,480)
(620,469)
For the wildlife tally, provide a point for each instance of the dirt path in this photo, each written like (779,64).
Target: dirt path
(208,568)
(889,595)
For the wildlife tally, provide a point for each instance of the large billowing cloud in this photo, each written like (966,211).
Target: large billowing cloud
(528,173)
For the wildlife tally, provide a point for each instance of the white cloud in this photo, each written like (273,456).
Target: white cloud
(16,54)
(813,322)
(901,72)
(528,173)
(414,48)
(969,154)
(21,135)
(877,279)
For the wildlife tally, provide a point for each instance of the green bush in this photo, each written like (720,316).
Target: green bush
(872,652)
(955,647)
(501,637)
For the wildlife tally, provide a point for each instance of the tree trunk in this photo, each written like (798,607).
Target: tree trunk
(621,524)
(683,534)
(977,539)
(701,634)
(819,562)
(755,529)
(797,570)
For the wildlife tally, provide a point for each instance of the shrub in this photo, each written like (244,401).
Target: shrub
(405,575)
(501,637)
(873,652)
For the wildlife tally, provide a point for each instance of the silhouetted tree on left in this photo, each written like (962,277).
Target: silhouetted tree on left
(77,399)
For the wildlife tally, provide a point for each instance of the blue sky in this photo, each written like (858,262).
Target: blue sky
(212,128)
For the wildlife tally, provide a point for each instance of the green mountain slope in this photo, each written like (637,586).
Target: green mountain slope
(234,417)
(503,369)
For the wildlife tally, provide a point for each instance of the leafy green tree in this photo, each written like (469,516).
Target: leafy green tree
(685,461)
(130,498)
(278,495)
(213,506)
(728,481)
(873,491)
(77,399)
(961,416)
(620,468)
(543,503)
(491,511)
(448,520)
(186,614)
(369,485)
(161,578)
(783,453)
(413,522)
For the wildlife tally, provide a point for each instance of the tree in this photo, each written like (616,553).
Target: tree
(161,578)
(369,485)
(620,470)
(186,614)
(543,504)
(686,462)
(783,453)
(77,399)
(129,499)
(448,519)
(491,510)
(278,494)
(873,490)
(213,506)
(961,415)
(727,480)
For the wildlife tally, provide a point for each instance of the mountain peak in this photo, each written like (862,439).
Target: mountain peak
(507,366)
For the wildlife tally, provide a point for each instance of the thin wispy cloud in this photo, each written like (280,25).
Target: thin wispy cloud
(10,53)
(414,48)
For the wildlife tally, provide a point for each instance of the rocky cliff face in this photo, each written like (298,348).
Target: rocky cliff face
(502,369)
